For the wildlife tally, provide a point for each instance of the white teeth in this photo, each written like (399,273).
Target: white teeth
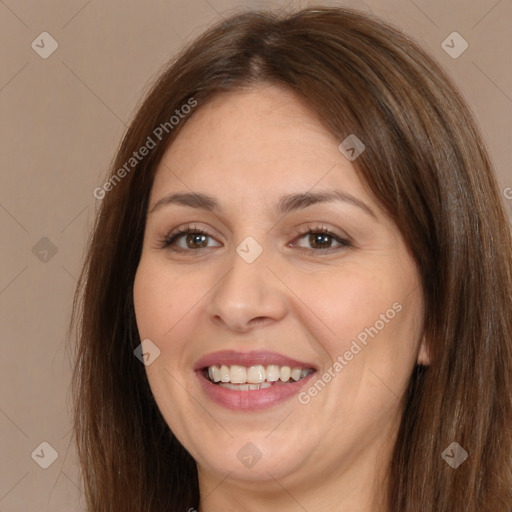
(214,373)
(305,373)
(225,375)
(244,387)
(238,374)
(256,377)
(256,374)
(273,372)
(286,373)
(296,373)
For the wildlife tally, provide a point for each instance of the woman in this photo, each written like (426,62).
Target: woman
(298,291)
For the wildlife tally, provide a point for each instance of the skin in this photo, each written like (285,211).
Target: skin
(247,149)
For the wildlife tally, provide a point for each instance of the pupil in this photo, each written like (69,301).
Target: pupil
(320,239)
(195,238)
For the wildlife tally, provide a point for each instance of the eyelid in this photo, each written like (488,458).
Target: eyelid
(343,239)
(180,231)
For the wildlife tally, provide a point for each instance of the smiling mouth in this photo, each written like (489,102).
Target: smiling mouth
(248,378)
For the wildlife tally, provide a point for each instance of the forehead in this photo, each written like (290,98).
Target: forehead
(258,142)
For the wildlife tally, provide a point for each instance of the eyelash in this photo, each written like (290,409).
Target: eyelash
(167,242)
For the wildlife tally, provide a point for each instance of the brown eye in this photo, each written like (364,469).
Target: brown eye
(186,240)
(319,240)
(196,238)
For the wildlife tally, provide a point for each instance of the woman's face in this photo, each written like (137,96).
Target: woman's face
(264,293)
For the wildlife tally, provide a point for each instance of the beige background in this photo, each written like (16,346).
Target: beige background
(62,118)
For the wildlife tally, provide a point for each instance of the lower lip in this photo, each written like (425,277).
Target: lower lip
(253,399)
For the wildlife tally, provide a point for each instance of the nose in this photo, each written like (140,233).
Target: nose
(248,295)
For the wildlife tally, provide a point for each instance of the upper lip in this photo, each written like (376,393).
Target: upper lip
(254,358)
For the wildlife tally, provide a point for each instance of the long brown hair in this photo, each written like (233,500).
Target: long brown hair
(426,164)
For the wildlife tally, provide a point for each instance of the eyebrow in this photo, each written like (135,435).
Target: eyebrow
(286,204)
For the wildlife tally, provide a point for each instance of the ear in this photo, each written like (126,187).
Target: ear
(423,352)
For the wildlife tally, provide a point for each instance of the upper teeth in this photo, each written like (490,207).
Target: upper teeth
(255,374)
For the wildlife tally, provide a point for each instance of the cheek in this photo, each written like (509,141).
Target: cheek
(164,304)
(163,299)
(345,303)
(368,324)
(369,318)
